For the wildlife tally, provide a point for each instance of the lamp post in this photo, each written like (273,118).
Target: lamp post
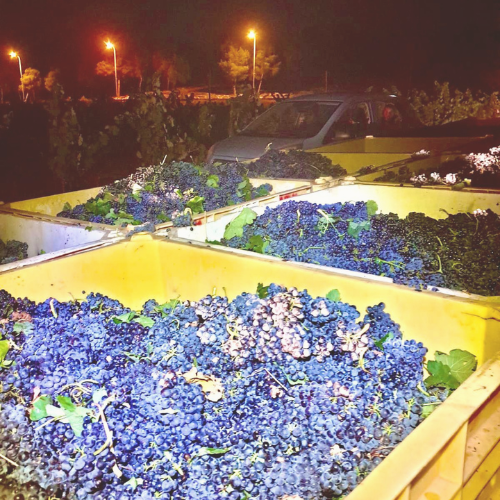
(253,35)
(13,55)
(109,45)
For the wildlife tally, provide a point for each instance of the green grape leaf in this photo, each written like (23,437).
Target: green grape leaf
(66,403)
(98,207)
(235,227)
(380,343)
(333,295)
(440,376)
(98,395)
(213,242)
(39,410)
(212,451)
(133,482)
(462,363)
(24,327)
(196,204)
(371,207)
(262,191)
(213,181)
(124,318)
(89,228)
(4,349)
(427,409)
(111,214)
(68,413)
(356,227)
(67,207)
(76,418)
(107,196)
(144,321)
(56,412)
(262,291)
(163,218)
(257,244)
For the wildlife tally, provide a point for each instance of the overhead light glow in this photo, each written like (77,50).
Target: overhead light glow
(251,34)
(109,45)
(13,54)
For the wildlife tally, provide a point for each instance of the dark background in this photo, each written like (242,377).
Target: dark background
(407,43)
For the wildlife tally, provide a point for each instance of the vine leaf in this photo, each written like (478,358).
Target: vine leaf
(39,410)
(257,244)
(262,291)
(371,207)
(333,295)
(450,370)
(235,227)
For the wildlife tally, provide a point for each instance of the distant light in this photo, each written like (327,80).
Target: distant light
(109,45)
(392,95)
(13,54)
(251,34)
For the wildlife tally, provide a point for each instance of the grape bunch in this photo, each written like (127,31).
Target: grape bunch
(460,252)
(174,192)
(262,397)
(293,164)
(12,250)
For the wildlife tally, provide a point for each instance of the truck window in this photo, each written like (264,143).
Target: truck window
(388,116)
(353,123)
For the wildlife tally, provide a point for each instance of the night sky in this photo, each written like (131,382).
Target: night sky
(409,43)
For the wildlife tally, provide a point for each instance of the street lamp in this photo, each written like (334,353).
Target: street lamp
(109,45)
(253,35)
(13,55)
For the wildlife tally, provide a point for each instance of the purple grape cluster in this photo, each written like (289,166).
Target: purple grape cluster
(293,164)
(256,398)
(460,252)
(172,192)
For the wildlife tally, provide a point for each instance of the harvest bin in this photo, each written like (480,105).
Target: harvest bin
(391,152)
(45,237)
(47,207)
(456,447)
(435,202)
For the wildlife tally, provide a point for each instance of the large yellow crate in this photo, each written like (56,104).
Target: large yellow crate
(47,207)
(454,454)
(392,152)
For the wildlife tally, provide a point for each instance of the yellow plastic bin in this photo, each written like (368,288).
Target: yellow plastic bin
(47,207)
(435,202)
(454,454)
(46,237)
(392,152)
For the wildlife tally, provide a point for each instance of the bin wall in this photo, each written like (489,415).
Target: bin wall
(390,198)
(43,235)
(146,267)
(398,144)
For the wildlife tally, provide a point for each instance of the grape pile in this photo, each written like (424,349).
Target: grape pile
(167,193)
(461,252)
(12,250)
(293,164)
(270,394)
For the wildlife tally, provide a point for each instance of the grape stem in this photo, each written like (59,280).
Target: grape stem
(9,460)
(271,375)
(109,434)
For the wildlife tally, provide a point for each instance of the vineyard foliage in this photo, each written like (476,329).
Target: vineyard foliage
(446,106)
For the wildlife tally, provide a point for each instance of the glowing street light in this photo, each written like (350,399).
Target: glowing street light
(253,35)
(109,45)
(13,55)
